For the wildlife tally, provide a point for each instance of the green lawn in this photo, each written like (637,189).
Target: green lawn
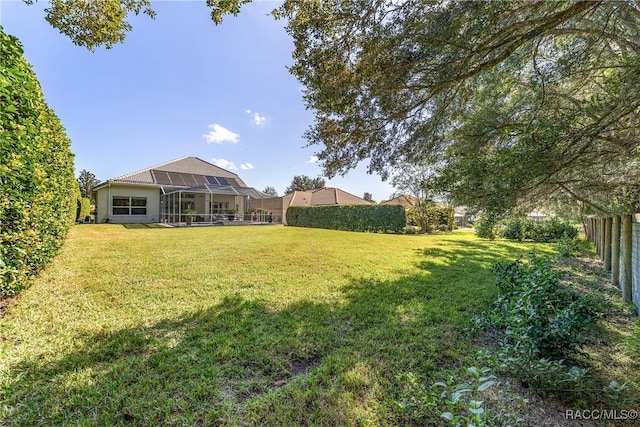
(241,325)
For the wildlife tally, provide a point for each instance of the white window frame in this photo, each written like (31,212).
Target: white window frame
(130,209)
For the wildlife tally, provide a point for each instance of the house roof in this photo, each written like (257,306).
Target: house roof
(184,172)
(402,200)
(323,196)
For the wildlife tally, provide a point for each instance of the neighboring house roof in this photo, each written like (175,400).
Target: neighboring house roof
(184,172)
(402,200)
(323,196)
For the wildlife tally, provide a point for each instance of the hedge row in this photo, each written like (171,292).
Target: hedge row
(378,218)
(38,190)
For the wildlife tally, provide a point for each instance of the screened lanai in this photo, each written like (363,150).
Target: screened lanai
(212,203)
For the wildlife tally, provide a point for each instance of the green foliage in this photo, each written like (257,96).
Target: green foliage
(84,208)
(541,322)
(378,218)
(95,23)
(536,311)
(458,403)
(520,227)
(87,181)
(430,216)
(504,100)
(304,183)
(485,225)
(566,247)
(38,190)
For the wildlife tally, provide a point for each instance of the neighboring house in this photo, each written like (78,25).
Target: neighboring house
(163,192)
(403,200)
(277,206)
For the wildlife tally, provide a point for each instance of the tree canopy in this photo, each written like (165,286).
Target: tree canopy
(304,183)
(505,101)
(270,190)
(87,181)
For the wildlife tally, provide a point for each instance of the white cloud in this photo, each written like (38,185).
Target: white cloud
(219,134)
(313,159)
(257,118)
(224,164)
(246,166)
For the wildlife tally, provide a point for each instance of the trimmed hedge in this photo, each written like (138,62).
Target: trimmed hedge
(378,218)
(38,189)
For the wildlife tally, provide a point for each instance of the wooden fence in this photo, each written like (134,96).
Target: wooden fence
(617,241)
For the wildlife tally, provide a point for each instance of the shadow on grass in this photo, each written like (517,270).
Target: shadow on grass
(142,226)
(243,362)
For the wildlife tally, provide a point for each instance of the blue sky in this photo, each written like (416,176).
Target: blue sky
(180,86)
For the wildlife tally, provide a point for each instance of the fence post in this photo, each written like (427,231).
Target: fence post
(596,235)
(615,252)
(601,238)
(607,243)
(627,243)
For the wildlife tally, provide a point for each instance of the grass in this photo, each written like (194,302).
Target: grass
(243,325)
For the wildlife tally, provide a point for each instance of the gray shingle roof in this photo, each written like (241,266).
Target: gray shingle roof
(182,172)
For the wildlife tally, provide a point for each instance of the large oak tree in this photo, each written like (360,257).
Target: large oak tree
(505,101)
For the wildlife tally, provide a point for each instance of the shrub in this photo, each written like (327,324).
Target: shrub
(536,311)
(514,227)
(485,225)
(520,227)
(566,247)
(38,189)
(541,322)
(380,218)
(84,208)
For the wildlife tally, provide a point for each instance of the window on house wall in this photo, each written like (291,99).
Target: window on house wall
(129,205)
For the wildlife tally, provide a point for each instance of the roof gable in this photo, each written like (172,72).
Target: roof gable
(321,197)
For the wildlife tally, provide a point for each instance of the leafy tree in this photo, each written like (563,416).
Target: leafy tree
(87,181)
(95,23)
(270,190)
(304,183)
(368,197)
(507,100)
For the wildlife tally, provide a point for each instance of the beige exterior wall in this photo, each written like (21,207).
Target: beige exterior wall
(104,208)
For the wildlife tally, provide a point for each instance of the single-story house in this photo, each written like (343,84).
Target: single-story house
(162,193)
(277,206)
(403,200)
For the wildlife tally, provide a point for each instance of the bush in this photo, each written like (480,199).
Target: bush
(514,227)
(84,208)
(38,189)
(535,311)
(485,225)
(551,230)
(541,323)
(381,218)
(520,227)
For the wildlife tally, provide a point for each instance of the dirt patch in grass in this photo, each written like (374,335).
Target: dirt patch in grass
(4,305)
